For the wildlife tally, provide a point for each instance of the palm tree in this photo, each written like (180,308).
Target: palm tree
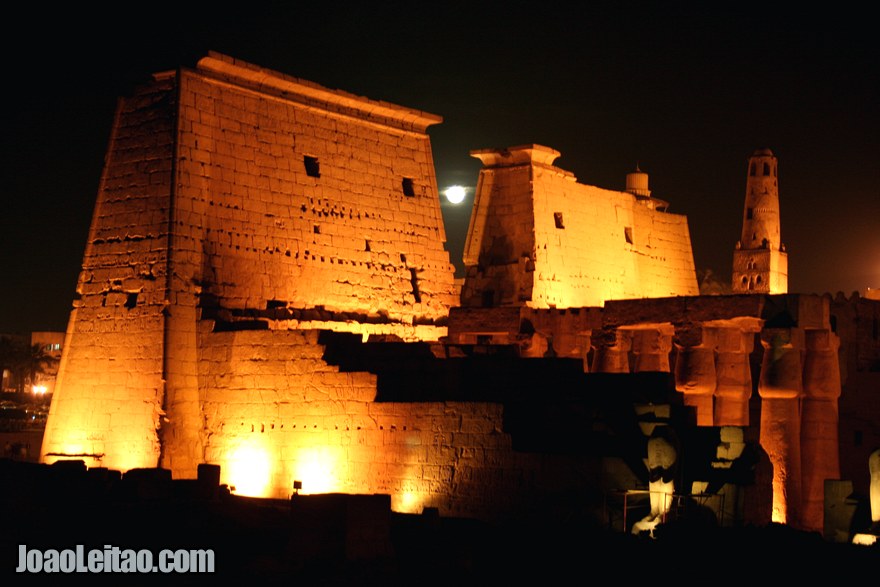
(9,352)
(25,361)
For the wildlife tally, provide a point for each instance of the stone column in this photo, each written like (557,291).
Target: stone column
(695,371)
(651,347)
(780,387)
(734,344)
(611,352)
(819,423)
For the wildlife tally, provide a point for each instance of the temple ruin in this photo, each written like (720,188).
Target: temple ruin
(539,238)
(265,288)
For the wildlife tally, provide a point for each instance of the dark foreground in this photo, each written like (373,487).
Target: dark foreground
(357,540)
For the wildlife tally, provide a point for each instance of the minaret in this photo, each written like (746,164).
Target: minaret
(760,264)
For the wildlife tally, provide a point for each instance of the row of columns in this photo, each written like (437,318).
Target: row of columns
(712,367)
(799,386)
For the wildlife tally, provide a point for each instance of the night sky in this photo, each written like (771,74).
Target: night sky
(687,94)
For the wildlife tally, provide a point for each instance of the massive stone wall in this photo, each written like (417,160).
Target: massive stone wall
(296,197)
(108,394)
(239,208)
(541,239)
(230,190)
(276,412)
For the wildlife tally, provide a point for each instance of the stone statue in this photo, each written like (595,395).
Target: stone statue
(872,535)
(662,465)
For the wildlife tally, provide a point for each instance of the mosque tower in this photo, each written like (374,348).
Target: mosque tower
(760,264)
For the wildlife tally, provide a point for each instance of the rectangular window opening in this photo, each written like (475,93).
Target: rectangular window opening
(408,189)
(749,213)
(312,167)
(557,218)
(628,234)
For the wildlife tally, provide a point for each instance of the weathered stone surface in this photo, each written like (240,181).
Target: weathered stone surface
(242,211)
(538,238)
(760,263)
(109,392)
(282,193)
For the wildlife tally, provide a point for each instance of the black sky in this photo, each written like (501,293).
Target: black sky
(687,94)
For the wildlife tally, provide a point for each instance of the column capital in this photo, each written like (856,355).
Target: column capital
(651,345)
(789,338)
(782,365)
(821,365)
(610,350)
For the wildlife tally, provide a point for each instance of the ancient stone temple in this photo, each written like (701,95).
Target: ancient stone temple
(539,238)
(231,196)
(265,288)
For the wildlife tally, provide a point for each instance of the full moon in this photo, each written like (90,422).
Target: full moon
(455,194)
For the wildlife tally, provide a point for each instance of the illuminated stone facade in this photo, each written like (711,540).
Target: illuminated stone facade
(243,214)
(539,238)
(276,412)
(760,263)
(230,191)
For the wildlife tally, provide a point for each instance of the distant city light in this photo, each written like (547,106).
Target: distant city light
(455,194)
(38,389)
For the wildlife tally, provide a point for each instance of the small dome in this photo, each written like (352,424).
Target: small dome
(637,183)
(763,153)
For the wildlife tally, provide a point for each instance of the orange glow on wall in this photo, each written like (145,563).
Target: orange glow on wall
(126,462)
(779,513)
(72,448)
(249,469)
(76,451)
(407,502)
(409,499)
(567,244)
(93,455)
(320,468)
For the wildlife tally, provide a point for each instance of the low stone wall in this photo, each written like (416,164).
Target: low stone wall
(275,412)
